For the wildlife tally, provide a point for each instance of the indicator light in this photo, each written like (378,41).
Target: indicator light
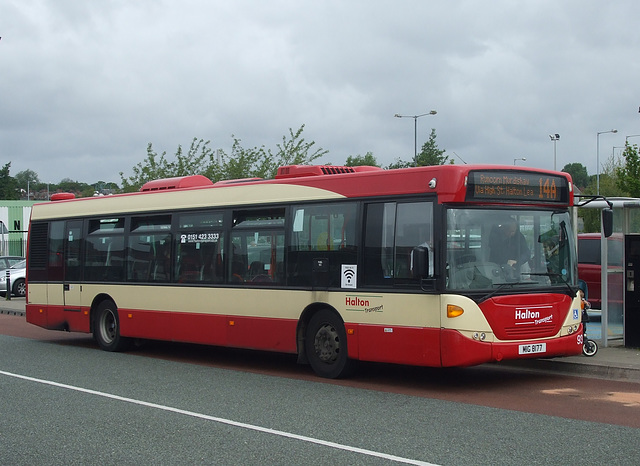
(454,311)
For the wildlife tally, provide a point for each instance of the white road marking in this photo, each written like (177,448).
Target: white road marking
(220,420)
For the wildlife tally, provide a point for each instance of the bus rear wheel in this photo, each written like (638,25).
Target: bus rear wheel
(326,345)
(106,328)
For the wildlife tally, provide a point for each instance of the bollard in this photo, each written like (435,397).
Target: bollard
(8,294)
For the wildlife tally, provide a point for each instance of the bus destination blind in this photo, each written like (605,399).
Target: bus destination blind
(506,186)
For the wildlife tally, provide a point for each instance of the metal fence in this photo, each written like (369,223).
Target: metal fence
(13,243)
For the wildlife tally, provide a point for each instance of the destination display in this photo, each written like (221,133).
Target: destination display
(506,186)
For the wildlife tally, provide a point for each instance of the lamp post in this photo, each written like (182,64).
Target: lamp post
(415,130)
(598,157)
(521,158)
(554,138)
(626,139)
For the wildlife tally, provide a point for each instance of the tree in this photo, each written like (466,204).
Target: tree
(609,187)
(242,163)
(218,165)
(428,155)
(628,174)
(359,160)
(578,174)
(154,167)
(8,185)
(27,180)
(296,151)
(399,163)
(70,186)
(261,162)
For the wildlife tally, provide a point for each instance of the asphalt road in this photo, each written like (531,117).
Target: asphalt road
(64,401)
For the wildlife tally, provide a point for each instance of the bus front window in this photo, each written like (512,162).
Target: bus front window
(489,248)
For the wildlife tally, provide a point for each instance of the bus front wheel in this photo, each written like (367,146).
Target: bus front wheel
(326,345)
(106,328)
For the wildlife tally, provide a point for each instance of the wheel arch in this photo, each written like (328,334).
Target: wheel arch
(303,322)
(97,300)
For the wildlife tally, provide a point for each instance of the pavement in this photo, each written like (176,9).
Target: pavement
(614,361)
(15,306)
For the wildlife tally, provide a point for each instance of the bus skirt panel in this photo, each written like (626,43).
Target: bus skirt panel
(211,329)
(417,346)
(59,317)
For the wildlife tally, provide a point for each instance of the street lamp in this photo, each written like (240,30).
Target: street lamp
(598,157)
(415,130)
(554,138)
(626,139)
(521,158)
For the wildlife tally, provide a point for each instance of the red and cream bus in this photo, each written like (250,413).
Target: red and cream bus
(334,264)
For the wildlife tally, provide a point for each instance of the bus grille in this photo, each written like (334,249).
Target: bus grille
(526,332)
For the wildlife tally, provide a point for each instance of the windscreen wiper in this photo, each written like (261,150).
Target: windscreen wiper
(501,286)
(571,291)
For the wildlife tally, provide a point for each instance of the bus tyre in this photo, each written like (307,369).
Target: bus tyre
(20,288)
(106,328)
(326,345)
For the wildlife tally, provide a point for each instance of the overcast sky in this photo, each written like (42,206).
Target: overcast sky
(86,85)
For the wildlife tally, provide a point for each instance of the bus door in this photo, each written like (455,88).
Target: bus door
(72,270)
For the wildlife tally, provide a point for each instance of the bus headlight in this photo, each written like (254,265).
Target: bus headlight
(572,329)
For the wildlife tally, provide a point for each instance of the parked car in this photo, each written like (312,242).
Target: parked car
(590,268)
(8,261)
(17,283)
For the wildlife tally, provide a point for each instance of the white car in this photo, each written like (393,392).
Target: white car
(17,285)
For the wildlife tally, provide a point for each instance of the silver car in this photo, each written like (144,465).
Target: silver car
(8,261)
(17,285)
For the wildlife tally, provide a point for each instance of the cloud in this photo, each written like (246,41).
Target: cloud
(85,86)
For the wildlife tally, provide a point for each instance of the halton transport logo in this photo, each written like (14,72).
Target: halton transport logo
(528,316)
(364,304)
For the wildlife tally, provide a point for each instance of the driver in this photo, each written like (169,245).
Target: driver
(508,245)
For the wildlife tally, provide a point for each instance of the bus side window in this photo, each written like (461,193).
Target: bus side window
(189,265)
(393,231)
(199,248)
(149,249)
(414,228)
(257,247)
(212,269)
(322,231)
(378,243)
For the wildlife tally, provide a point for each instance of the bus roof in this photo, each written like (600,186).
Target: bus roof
(492,184)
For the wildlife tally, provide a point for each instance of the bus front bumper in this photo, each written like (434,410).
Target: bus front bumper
(458,350)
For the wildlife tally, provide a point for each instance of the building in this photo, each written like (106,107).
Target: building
(14,225)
